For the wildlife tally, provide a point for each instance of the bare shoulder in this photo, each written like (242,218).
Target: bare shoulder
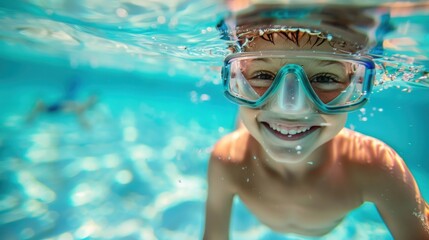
(370,161)
(227,154)
(232,148)
(357,148)
(384,179)
(228,157)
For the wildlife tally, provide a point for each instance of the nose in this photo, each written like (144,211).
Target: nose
(290,96)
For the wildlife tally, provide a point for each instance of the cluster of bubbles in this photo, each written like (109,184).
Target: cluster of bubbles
(401,68)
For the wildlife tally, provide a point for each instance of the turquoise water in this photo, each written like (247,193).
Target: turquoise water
(137,171)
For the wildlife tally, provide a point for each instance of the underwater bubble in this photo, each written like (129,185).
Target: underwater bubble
(142,152)
(194,96)
(204,97)
(42,155)
(161,19)
(124,177)
(130,134)
(81,194)
(88,192)
(179,143)
(221,129)
(89,163)
(88,229)
(121,12)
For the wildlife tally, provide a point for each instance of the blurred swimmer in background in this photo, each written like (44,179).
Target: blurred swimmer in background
(66,104)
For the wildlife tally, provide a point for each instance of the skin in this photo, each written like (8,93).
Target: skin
(310,192)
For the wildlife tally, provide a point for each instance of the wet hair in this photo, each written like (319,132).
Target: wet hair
(298,36)
(295,37)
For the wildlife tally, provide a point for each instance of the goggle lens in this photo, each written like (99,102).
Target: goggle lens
(334,83)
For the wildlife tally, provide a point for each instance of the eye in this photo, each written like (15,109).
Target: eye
(262,75)
(327,82)
(261,79)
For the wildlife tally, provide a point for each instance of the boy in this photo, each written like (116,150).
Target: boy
(292,162)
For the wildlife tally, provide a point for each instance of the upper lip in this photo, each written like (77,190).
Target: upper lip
(290,120)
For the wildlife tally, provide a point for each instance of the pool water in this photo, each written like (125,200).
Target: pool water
(137,169)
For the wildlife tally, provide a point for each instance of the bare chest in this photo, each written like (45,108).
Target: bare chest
(311,207)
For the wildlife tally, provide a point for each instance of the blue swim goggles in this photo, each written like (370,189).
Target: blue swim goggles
(335,83)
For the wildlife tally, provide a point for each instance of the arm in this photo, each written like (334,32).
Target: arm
(219,201)
(391,186)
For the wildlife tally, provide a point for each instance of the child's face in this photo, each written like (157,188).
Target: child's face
(291,133)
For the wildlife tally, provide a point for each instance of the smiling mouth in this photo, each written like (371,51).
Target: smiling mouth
(289,133)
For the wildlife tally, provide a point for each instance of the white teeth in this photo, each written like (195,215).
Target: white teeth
(288,130)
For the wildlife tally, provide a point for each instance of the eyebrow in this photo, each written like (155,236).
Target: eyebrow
(322,63)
